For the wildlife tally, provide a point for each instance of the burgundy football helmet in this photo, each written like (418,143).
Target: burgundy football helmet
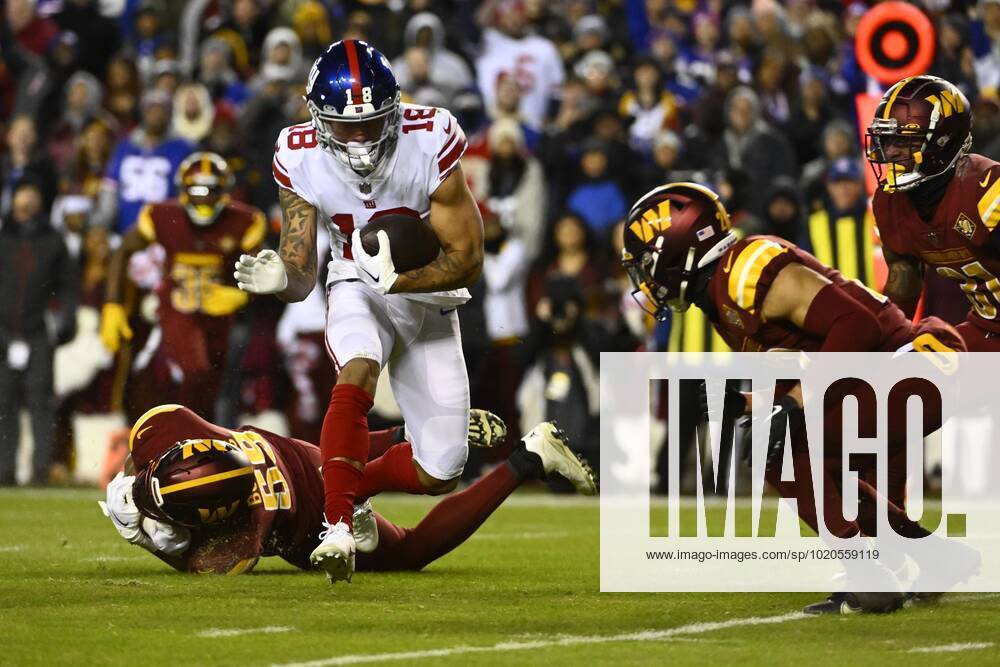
(195,483)
(922,125)
(670,233)
(203,183)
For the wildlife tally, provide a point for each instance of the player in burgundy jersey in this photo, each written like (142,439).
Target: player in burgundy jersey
(202,233)
(209,499)
(937,205)
(763,293)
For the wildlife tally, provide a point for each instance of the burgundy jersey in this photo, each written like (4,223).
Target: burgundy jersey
(285,510)
(198,256)
(956,242)
(742,278)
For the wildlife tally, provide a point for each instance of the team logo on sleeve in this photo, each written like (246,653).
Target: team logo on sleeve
(732,317)
(965,226)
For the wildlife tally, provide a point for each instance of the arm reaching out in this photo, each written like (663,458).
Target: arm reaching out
(114,319)
(456,221)
(290,273)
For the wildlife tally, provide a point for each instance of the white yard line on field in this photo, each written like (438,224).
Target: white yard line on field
(12,548)
(954,598)
(237,632)
(951,648)
(559,640)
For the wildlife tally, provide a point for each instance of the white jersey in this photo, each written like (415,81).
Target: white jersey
(533,61)
(428,149)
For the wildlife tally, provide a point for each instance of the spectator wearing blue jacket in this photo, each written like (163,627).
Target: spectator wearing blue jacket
(599,199)
(141,170)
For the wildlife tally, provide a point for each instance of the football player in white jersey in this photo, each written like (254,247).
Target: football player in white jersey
(364,155)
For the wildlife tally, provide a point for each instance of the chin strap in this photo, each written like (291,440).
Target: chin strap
(681,303)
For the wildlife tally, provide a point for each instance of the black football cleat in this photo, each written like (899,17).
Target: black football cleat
(837,604)
(855,603)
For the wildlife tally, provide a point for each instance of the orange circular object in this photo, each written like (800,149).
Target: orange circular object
(894,40)
(894,44)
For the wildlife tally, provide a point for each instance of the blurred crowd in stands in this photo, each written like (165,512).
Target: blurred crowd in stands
(573,108)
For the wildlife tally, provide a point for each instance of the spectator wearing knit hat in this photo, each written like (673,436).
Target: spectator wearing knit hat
(599,200)
(841,233)
(515,186)
(751,145)
(448,71)
(215,70)
(81,105)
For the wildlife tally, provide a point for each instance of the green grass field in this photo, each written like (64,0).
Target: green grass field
(524,590)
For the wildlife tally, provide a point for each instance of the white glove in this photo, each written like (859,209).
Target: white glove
(263,274)
(376,270)
(123,513)
(168,539)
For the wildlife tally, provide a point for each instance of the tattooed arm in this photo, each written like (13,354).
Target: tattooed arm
(456,221)
(905,281)
(297,247)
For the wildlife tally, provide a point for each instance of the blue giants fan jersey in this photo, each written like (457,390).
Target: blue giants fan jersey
(429,148)
(143,175)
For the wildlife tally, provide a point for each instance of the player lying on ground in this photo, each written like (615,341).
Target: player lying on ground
(366,155)
(763,293)
(209,499)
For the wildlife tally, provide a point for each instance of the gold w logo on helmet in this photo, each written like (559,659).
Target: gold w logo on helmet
(654,220)
(215,515)
(192,447)
(947,103)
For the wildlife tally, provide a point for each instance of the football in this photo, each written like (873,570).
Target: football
(413,242)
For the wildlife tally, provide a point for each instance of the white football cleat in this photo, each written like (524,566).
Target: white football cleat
(485,429)
(549,443)
(365,528)
(335,553)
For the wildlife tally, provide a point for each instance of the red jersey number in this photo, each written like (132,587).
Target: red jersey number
(345,223)
(304,137)
(418,115)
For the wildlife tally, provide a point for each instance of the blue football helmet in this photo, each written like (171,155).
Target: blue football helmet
(353,98)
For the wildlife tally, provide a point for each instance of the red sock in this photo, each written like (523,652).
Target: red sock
(345,435)
(393,471)
(452,521)
(379,442)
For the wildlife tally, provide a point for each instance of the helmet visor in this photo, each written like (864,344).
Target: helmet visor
(359,131)
(895,158)
(646,290)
